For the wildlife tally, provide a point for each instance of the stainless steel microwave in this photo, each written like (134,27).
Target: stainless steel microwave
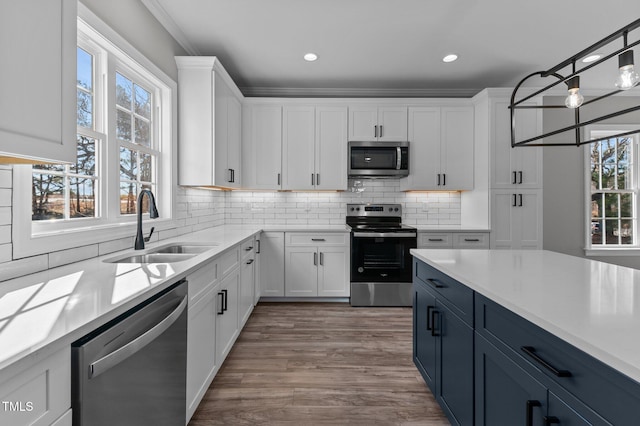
(378,159)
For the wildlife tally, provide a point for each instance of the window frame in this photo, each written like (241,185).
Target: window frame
(30,239)
(613,249)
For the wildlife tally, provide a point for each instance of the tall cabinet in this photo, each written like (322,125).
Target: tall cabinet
(210,124)
(516,177)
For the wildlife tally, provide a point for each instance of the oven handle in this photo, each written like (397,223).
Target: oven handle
(386,234)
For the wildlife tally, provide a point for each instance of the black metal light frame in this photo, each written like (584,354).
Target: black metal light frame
(514,105)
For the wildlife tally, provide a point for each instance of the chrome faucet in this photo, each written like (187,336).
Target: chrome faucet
(153,214)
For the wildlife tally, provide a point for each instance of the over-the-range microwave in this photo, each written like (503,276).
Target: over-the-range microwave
(373,159)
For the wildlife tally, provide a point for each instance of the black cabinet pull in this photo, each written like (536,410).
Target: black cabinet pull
(429,308)
(315,259)
(438,179)
(381,130)
(258,249)
(375,131)
(313,179)
(249,248)
(224,300)
(472,240)
(221,311)
(436,239)
(434,282)
(530,404)
(514,178)
(433,321)
(317,178)
(321,259)
(278,179)
(444,179)
(551,420)
(520,177)
(515,201)
(249,262)
(531,352)
(520,203)
(318,239)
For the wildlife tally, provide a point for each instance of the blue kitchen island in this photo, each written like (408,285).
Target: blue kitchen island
(527,337)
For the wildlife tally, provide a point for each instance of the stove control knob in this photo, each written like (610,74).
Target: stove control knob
(352,209)
(396,209)
(390,208)
(357,208)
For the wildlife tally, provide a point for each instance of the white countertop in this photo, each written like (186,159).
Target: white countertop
(447,228)
(306,228)
(594,306)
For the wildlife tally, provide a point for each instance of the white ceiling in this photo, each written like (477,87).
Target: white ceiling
(392,47)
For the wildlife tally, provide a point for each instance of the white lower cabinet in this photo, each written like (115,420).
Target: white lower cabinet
(272,264)
(201,334)
(316,265)
(516,219)
(455,240)
(39,393)
(247,278)
(227,329)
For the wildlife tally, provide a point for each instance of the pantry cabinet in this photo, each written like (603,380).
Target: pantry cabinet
(38,105)
(209,125)
(377,123)
(441,148)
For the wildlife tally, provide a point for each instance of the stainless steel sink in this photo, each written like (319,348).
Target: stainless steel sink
(183,248)
(152,258)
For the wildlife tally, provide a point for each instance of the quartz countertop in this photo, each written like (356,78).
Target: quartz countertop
(44,311)
(594,306)
(447,228)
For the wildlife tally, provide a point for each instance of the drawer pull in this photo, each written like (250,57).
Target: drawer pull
(551,420)
(433,322)
(249,262)
(530,404)
(248,248)
(531,351)
(318,239)
(434,283)
(436,239)
(472,240)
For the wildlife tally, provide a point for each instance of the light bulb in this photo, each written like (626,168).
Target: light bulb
(575,98)
(628,76)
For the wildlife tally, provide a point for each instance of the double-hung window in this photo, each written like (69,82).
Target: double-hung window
(125,139)
(612,191)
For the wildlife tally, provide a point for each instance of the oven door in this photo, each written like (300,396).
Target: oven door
(381,257)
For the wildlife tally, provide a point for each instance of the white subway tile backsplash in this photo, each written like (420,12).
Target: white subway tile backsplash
(6,178)
(20,267)
(5,253)
(64,257)
(5,197)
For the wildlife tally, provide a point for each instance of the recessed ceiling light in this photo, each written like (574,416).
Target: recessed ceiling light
(450,58)
(592,58)
(310,57)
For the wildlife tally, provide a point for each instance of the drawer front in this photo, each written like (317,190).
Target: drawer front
(40,394)
(201,280)
(229,261)
(315,239)
(459,296)
(248,248)
(435,240)
(476,240)
(608,392)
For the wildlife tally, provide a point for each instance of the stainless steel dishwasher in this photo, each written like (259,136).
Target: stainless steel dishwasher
(132,370)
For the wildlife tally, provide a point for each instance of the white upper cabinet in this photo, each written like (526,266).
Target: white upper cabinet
(514,167)
(262,146)
(38,84)
(377,123)
(441,148)
(314,148)
(209,127)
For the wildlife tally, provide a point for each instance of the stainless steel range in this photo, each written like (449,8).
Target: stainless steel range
(380,260)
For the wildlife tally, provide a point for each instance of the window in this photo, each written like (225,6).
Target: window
(125,140)
(612,191)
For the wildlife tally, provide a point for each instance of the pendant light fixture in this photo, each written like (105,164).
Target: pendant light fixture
(575,98)
(628,76)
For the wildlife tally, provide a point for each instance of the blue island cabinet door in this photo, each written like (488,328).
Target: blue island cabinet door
(454,360)
(424,343)
(505,393)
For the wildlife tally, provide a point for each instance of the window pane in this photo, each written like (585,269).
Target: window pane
(128,194)
(124,88)
(611,205)
(85,109)
(626,205)
(595,177)
(608,150)
(143,102)
(82,201)
(142,132)
(146,164)
(84,70)
(49,167)
(47,200)
(123,125)
(596,231)
(596,205)
(608,176)
(86,158)
(128,164)
(624,176)
(611,231)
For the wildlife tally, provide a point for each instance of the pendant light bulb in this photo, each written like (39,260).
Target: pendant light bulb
(628,76)
(575,98)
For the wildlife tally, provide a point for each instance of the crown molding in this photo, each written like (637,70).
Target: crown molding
(170,25)
(300,92)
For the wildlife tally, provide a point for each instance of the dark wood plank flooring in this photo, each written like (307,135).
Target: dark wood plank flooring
(321,364)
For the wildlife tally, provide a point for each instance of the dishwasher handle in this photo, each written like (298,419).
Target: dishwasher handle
(116,357)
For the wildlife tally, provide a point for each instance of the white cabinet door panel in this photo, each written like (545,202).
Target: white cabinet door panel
(331,148)
(333,272)
(272,264)
(362,123)
(301,272)
(456,152)
(298,145)
(392,124)
(424,149)
(262,147)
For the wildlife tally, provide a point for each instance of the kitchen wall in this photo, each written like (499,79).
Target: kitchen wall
(329,208)
(563,180)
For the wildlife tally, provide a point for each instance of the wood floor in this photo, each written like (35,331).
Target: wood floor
(321,364)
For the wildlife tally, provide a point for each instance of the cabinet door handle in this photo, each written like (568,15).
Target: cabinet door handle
(318,239)
(444,179)
(321,259)
(375,131)
(438,179)
(472,240)
(317,178)
(315,259)
(429,308)
(221,311)
(229,178)
(381,130)
(434,282)
(433,322)
(436,239)
(520,177)
(530,404)
(520,198)
(278,179)
(531,352)
(313,179)
(225,300)
(550,420)
(258,249)
(249,262)
(514,180)
(515,201)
